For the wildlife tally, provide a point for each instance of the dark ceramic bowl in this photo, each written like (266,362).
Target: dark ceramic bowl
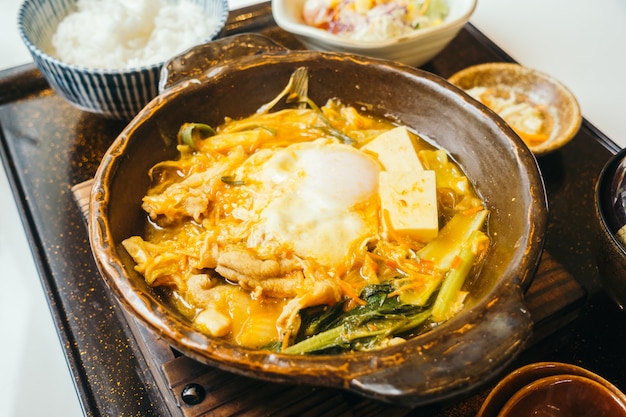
(559,389)
(446,362)
(610,211)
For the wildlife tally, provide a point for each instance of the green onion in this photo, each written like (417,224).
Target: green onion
(192,133)
(364,327)
(227,179)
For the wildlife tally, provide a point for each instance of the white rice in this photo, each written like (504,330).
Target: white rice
(118,34)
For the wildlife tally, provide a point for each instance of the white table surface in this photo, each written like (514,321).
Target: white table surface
(579,42)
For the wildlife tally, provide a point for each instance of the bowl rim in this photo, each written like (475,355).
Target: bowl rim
(603,184)
(35,50)
(545,384)
(291,24)
(359,371)
(572,128)
(526,374)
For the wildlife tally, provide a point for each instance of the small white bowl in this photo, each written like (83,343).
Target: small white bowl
(415,49)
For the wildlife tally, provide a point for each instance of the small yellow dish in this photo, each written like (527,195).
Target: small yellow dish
(542,111)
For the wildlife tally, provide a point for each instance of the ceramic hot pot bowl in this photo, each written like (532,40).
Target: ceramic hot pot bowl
(446,362)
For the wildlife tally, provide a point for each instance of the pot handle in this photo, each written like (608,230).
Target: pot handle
(198,60)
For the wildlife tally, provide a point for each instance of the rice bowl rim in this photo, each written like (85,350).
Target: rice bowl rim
(34,48)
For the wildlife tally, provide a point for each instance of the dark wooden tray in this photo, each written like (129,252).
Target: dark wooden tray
(48,147)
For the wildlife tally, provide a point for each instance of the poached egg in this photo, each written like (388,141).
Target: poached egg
(316,199)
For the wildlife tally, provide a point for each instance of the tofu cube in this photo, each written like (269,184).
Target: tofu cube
(409,203)
(213,322)
(395,150)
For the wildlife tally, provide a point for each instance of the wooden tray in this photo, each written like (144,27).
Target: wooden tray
(48,147)
(554,299)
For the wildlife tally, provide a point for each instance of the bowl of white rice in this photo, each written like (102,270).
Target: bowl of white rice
(105,56)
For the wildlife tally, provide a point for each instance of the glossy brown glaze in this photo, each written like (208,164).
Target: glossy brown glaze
(446,362)
(564,396)
(553,388)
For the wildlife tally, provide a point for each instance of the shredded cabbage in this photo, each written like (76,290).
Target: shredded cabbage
(374,20)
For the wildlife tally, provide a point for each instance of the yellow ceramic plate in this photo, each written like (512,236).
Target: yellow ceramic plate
(543,112)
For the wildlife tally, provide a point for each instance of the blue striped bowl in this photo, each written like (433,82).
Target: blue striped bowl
(117,94)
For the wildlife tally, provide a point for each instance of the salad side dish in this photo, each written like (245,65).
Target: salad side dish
(373,20)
